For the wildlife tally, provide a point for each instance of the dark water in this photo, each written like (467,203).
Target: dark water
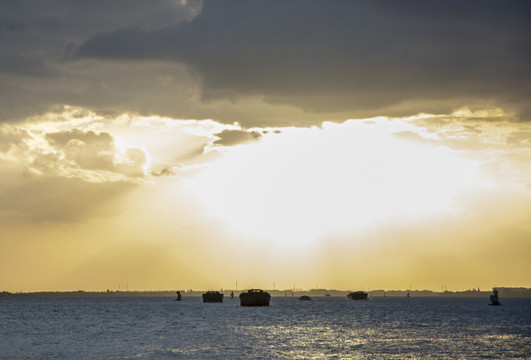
(326,328)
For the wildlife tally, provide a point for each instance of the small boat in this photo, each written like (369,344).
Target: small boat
(305,297)
(212,297)
(178,296)
(255,297)
(494,301)
(358,295)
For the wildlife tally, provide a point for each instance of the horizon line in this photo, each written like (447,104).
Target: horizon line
(248,288)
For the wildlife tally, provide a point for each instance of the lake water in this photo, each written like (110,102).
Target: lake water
(326,328)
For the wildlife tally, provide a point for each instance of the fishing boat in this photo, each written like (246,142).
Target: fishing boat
(255,297)
(305,297)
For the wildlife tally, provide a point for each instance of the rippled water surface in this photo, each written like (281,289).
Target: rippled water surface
(326,328)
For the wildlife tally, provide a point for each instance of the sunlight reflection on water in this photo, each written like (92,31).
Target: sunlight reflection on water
(333,328)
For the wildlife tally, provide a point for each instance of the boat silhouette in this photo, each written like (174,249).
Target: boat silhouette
(494,301)
(358,295)
(212,297)
(255,297)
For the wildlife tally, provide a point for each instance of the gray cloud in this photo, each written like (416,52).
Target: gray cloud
(35,36)
(234,137)
(363,57)
(265,63)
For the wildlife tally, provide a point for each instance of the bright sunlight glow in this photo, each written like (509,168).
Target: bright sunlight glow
(303,184)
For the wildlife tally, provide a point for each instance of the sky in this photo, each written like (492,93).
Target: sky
(181,144)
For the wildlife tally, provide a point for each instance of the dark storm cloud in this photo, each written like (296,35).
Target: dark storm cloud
(236,60)
(35,37)
(359,56)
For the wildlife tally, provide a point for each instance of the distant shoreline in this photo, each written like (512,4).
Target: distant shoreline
(503,292)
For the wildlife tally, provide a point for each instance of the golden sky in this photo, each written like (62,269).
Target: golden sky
(180,145)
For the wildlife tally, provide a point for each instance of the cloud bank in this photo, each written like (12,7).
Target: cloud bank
(363,57)
(266,63)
